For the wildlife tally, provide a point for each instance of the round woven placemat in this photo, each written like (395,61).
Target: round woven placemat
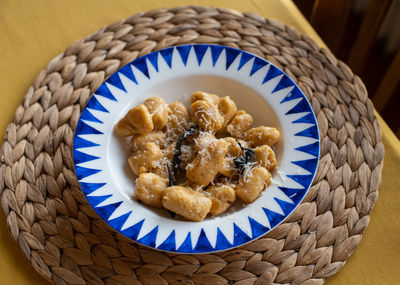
(66,242)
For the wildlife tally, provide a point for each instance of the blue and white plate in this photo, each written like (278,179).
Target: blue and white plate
(257,86)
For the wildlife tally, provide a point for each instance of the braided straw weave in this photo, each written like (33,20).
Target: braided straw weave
(66,242)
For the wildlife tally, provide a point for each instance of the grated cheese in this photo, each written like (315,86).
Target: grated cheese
(202,153)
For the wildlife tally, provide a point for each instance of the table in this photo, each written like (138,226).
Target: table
(32,33)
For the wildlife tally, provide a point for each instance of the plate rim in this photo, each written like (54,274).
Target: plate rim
(318,141)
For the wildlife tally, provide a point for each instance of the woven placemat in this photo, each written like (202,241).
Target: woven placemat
(65,241)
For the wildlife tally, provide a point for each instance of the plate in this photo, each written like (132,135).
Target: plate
(257,86)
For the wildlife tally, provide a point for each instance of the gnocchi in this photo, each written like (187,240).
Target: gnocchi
(123,128)
(227,109)
(150,189)
(207,115)
(207,163)
(265,156)
(197,161)
(262,136)
(186,202)
(178,119)
(200,95)
(221,196)
(158,110)
(240,123)
(139,119)
(143,160)
(139,141)
(252,183)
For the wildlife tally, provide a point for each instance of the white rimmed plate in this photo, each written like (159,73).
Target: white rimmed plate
(260,88)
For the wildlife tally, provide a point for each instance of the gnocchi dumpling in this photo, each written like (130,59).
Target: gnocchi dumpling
(265,157)
(240,123)
(186,202)
(207,115)
(198,160)
(221,196)
(150,189)
(123,128)
(178,119)
(252,184)
(144,159)
(262,135)
(158,110)
(200,95)
(138,141)
(228,167)
(227,109)
(140,120)
(207,163)
(234,148)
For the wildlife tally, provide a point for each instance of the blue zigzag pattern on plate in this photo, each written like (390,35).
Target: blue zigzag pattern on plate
(83,172)
(215,53)
(106,211)
(184,53)
(257,65)
(88,116)
(311,132)
(115,80)
(94,104)
(141,64)
(222,241)
(308,164)
(150,238)
(202,244)
(200,51)
(312,149)
(118,222)
(133,231)
(256,228)
(169,243)
(81,157)
(296,195)
(88,188)
(186,246)
(153,58)
(127,71)
(295,93)
(84,129)
(105,92)
(299,108)
(308,119)
(82,143)
(231,55)
(96,200)
(240,237)
(167,55)
(245,57)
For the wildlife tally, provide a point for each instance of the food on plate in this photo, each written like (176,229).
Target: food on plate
(240,123)
(150,189)
(221,196)
(186,202)
(197,161)
(250,186)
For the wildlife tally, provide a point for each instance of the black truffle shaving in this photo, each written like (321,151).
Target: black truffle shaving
(176,160)
(246,159)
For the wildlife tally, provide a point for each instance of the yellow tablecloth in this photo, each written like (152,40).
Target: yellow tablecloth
(33,32)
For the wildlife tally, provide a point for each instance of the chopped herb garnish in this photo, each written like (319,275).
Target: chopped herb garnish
(176,160)
(245,160)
